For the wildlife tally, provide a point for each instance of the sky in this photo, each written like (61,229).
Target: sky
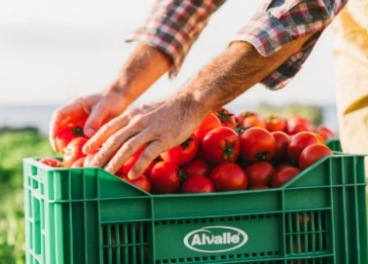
(54,51)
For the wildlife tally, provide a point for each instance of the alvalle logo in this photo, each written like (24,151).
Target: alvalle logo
(213,239)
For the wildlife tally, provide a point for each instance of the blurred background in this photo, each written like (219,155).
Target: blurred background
(52,52)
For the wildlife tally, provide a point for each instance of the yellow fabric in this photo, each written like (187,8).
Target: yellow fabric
(351,68)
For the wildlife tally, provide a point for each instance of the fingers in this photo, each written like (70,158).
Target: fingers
(97,117)
(151,152)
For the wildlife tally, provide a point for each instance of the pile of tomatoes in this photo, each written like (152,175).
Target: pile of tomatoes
(226,152)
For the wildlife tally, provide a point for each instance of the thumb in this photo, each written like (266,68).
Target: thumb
(96,119)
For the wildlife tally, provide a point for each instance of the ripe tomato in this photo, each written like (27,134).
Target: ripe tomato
(196,167)
(73,151)
(165,178)
(275,123)
(197,184)
(240,118)
(183,153)
(299,142)
(210,122)
(260,173)
(79,163)
(51,162)
(141,182)
(284,175)
(65,135)
(254,121)
(257,144)
(325,132)
(259,187)
(312,154)
(298,124)
(226,117)
(229,177)
(149,168)
(282,142)
(128,165)
(221,145)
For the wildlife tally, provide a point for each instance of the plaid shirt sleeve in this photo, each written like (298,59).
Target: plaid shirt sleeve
(279,22)
(174,26)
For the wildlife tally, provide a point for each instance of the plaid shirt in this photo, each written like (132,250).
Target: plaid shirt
(174,26)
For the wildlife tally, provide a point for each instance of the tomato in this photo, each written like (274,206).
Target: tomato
(79,163)
(275,123)
(240,118)
(254,121)
(128,165)
(325,132)
(226,117)
(196,167)
(65,135)
(282,142)
(141,182)
(51,162)
(210,122)
(312,154)
(197,184)
(298,124)
(257,144)
(73,151)
(183,153)
(284,175)
(221,145)
(149,168)
(299,142)
(259,187)
(229,177)
(260,173)
(165,178)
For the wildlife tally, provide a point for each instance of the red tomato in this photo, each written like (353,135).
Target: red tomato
(197,184)
(312,154)
(259,187)
(221,145)
(51,162)
(128,165)
(298,124)
(325,132)
(284,175)
(299,142)
(196,167)
(210,122)
(229,177)
(226,117)
(141,182)
(73,151)
(260,173)
(282,142)
(65,135)
(240,118)
(165,178)
(257,144)
(275,123)
(183,153)
(254,121)
(149,168)
(79,163)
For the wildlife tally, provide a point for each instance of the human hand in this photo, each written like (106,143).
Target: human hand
(97,108)
(160,126)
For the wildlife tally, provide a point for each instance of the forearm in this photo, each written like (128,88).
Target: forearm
(236,70)
(143,68)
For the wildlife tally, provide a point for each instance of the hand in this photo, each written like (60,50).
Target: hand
(101,108)
(160,126)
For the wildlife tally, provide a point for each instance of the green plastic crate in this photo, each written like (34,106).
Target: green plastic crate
(334,144)
(76,216)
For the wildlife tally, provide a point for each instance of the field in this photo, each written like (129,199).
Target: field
(14,146)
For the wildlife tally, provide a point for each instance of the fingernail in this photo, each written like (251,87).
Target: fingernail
(132,175)
(89,132)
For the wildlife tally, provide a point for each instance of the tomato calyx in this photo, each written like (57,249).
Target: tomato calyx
(78,131)
(224,116)
(182,176)
(185,144)
(228,150)
(240,129)
(261,156)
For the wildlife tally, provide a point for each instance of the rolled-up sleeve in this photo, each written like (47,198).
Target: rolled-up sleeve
(173,26)
(278,22)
